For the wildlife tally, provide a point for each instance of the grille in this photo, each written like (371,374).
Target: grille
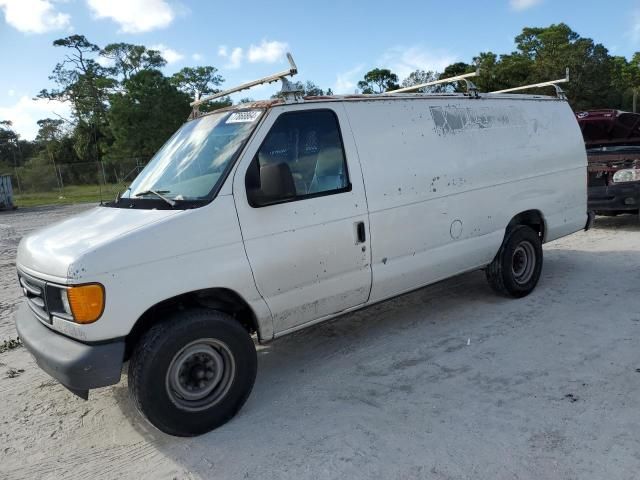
(36,293)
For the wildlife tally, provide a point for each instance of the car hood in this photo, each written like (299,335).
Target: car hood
(602,128)
(54,249)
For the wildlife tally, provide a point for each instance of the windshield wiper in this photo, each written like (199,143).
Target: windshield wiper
(159,195)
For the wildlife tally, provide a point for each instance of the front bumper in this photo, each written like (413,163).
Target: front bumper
(76,365)
(622,197)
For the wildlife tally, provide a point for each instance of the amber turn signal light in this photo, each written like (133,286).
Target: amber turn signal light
(86,302)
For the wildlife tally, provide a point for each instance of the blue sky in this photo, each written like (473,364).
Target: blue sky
(333,42)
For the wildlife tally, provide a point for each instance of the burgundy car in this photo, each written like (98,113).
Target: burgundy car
(612,139)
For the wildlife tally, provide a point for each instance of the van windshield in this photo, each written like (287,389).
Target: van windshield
(189,167)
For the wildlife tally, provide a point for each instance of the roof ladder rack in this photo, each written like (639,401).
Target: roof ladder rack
(471,88)
(552,83)
(288,89)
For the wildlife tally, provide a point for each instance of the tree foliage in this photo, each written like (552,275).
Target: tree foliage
(418,77)
(308,89)
(123,107)
(128,59)
(378,80)
(148,111)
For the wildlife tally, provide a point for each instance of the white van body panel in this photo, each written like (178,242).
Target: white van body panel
(305,257)
(436,181)
(189,250)
(444,177)
(51,251)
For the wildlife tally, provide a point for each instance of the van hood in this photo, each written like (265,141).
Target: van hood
(53,250)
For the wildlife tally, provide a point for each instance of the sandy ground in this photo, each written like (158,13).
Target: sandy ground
(449,382)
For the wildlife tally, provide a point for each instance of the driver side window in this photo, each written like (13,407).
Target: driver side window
(302,156)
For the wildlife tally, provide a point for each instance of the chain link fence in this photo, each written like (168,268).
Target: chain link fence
(72,182)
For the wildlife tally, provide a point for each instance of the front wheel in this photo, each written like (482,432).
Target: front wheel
(192,372)
(515,270)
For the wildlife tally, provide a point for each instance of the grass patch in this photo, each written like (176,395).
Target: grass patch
(10,344)
(68,195)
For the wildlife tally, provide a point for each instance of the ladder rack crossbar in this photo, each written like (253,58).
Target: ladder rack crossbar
(551,83)
(245,86)
(435,82)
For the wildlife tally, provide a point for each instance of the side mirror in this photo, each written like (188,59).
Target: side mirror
(276,184)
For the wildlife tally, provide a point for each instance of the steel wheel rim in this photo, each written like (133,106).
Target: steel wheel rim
(200,374)
(523,262)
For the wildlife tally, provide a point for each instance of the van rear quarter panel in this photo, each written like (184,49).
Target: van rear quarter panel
(444,176)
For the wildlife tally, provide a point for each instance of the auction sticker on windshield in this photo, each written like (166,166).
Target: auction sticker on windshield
(247,116)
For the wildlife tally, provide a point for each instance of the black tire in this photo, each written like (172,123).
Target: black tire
(175,358)
(516,269)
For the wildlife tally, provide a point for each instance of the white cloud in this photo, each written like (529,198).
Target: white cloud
(198,57)
(34,16)
(404,60)
(524,4)
(169,54)
(234,58)
(26,112)
(134,16)
(347,82)
(105,62)
(11,92)
(267,52)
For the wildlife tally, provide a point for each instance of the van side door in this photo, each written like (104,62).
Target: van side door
(302,209)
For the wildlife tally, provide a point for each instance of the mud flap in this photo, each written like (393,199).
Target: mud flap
(591,216)
(83,394)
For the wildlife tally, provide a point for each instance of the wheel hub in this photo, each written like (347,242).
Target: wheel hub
(200,374)
(523,262)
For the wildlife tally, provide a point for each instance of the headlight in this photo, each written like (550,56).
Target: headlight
(84,302)
(627,175)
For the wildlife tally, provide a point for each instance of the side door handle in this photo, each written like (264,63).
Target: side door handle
(361,232)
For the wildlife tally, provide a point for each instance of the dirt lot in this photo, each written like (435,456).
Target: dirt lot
(449,382)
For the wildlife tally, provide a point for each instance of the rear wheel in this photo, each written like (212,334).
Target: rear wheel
(192,372)
(515,270)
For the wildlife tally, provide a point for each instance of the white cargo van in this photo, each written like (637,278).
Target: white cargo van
(269,217)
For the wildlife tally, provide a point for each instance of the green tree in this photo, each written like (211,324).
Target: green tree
(199,82)
(308,89)
(378,80)
(143,116)
(552,49)
(597,79)
(10,155)
(86,85)
(130,59)
(498,73)
(81,80)
(418,77)
(312,90)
